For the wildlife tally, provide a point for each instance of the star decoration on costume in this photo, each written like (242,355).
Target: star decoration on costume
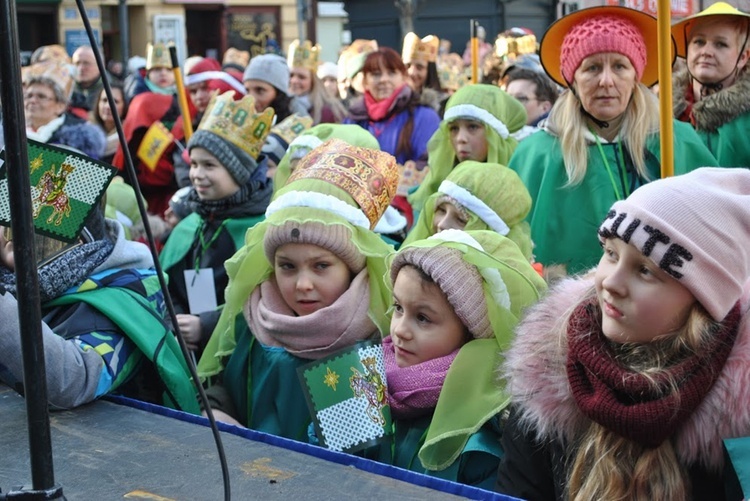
(36,163)
(331,379)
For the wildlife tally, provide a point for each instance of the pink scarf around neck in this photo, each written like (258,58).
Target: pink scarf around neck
(414,391)
(313,336)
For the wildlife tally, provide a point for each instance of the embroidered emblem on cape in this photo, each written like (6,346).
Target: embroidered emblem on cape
(348,415)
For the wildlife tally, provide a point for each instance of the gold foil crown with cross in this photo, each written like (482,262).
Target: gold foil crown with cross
(238,122)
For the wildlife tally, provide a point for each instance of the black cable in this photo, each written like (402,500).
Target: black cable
(130,169)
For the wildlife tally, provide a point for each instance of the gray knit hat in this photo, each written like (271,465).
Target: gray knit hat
(238,162)
(460,281)
(337,238)
(269,68)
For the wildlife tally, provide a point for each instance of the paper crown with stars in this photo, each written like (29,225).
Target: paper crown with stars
(305,55)
(425,50)
(369,176)
(238,122)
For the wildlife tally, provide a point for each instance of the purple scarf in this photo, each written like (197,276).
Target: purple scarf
(413,391)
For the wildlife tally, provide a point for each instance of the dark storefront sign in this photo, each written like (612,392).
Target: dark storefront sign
(254,29)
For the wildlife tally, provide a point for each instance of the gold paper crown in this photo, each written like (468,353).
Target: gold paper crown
(157,56)
(59,74)
(515,46)
(291,127)
(425,50)
(369,176)
(236,56)
(304,55)
(452,72)
(238,122)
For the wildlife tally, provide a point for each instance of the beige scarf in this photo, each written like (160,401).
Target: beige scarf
(313,336)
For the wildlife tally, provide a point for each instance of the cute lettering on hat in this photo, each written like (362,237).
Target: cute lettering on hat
(652,242)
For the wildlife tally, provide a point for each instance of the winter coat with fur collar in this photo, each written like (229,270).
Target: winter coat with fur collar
(721,119)
(545,422)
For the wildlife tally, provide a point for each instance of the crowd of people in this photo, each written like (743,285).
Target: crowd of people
(557,322)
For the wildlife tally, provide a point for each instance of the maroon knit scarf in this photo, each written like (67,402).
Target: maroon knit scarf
(413,391)
(626,402)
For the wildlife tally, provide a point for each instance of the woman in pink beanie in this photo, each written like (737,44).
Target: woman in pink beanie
(601,140)
(625,382)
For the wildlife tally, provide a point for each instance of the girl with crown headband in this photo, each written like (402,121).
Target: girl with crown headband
(601,139)
(305,85)
(309,281)
(626,381)
(456,299)
(713,92)
(230,192)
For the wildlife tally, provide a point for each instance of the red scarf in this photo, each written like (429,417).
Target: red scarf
(378,110)
(626,402)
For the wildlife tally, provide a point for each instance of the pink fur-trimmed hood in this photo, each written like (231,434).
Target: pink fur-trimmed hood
(535,369)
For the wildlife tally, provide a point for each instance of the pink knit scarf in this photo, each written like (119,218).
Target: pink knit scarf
(313,336)
(413,391)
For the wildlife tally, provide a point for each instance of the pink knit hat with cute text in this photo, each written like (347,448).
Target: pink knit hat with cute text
(606,33)
(694,227)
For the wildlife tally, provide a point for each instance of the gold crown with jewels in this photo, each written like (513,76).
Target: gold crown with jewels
(304,55)
(415,49)
(238,122)
(369,176)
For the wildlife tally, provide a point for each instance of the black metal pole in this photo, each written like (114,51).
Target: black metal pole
(124,24)
(29,313)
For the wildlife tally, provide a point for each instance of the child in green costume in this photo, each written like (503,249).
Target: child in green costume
(456,299)
(309,281)
(230,192)
(478,196)
(477,125)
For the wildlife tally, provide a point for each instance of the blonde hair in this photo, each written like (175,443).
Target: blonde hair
(567,119)
(609,466)
(319,98)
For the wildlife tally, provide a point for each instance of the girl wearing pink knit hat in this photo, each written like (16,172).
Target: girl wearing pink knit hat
(601,140)
(625,382)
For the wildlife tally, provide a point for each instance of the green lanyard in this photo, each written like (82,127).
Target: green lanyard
(204,245)
(609,169)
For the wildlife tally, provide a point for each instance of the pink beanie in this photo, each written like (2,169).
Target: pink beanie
(460,281)
(606,33)
(696,227)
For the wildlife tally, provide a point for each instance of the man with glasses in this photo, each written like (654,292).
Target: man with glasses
(536,92)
